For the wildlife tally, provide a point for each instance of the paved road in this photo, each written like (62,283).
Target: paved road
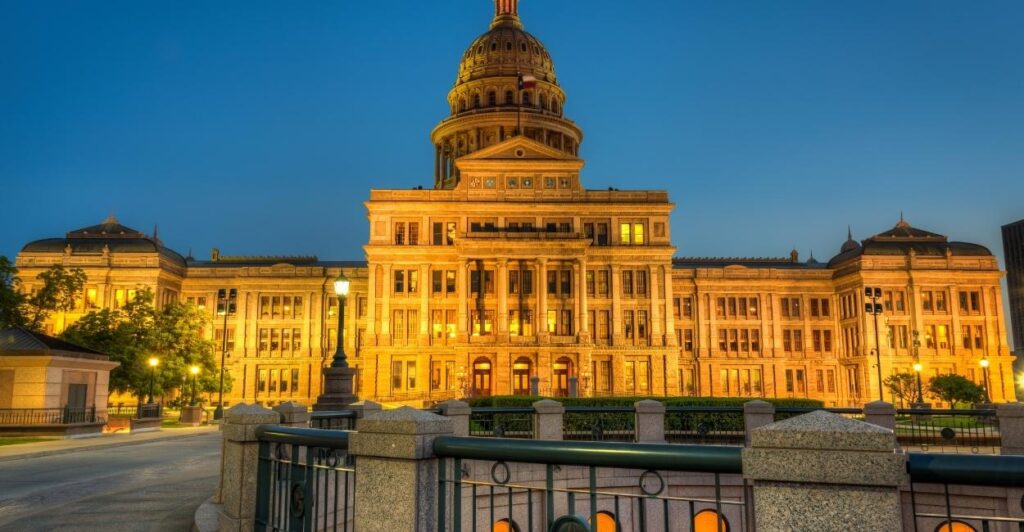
(150,486)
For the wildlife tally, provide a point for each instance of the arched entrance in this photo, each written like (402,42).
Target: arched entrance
(521,376)
(561,371)
(481,377)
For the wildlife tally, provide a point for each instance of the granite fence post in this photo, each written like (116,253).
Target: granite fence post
(547,420)
(458,412)
(239,465)
(293,414)
(756,414)
(650,421)
(396,487)
(364,408)
(1011,427)
(824,472)
(880,413)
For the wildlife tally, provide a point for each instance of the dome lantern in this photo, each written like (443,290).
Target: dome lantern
(506,13)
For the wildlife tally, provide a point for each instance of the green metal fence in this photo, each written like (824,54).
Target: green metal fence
(491,484)
(936,510)
(305,480)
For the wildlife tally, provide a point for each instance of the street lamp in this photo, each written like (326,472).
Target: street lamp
(918,367)
(226,299)
(984,372)
(153,363)
(341,286)
(874,308)
(194,370)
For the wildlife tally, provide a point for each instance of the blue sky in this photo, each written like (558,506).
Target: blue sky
(259,126)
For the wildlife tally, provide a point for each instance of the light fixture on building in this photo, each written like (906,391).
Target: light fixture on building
(874,308)
(153,363)
(194,370)
(984,372)
(226,301)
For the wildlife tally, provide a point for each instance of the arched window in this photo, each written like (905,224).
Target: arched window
(504,525)
(494,47)
(554,105)
(510,98)
(605,523)
(462,104)
(561,371)
(508,46)
(708,521)
(492,99)
(521,376)
(955,526)
(476,101)
(543,102)
(482,377)
(522,46)
(526,99)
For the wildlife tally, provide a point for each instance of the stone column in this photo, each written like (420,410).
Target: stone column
(577,296)
(616,318)
(542,300)
(585,325)
(501,285)
(670,317)
(547,422)
(1011,427)
(293,414)
(385,310)
(756,414)
(371,305)
(462,289)
(458,412)
(239,460)
(650,421)
(426,286)
(396,488)
(880,413)
(654,328)
(823,472)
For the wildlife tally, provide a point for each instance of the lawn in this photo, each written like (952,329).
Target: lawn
(17,441)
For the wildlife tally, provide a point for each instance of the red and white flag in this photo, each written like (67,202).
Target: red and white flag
(527,82)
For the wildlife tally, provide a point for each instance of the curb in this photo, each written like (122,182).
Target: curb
(110,445)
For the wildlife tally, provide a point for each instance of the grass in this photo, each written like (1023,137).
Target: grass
(18,441)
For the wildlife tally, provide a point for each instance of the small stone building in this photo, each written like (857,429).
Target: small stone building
(51,387)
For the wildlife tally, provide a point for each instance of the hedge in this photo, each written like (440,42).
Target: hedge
(526,401)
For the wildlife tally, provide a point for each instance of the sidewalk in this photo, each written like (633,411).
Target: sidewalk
(47,448)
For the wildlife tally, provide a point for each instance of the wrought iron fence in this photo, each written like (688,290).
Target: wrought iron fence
(501,422)
(305,480)
(491,484)
(706,425)
(599,423)
(948,431)
(47,416)
(934,508)
(333,420)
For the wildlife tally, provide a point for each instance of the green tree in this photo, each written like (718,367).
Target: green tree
(955,389)
(903,386)
(58,292)
(138,332)
(11,299)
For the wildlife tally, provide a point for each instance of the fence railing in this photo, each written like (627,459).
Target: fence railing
(502,422)
(305,480)
(47,416)
(704,425)
(333,420)
(146,411)
(553,485)
(599,423)
(932,505)
(948,431)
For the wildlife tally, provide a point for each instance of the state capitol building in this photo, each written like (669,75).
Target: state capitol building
(510,269)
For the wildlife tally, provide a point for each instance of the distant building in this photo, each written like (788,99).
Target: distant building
(510,269)
(1013,248)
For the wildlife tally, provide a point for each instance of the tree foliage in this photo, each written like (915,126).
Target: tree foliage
(902,386)
(11,299)
(138,332)
(956,389)
(60,288)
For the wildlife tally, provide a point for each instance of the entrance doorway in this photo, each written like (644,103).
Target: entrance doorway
(562,370)
(521,376)
(481,377)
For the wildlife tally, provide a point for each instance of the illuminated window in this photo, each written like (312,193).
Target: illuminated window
(710,521)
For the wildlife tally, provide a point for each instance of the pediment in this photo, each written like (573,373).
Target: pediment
(519,148)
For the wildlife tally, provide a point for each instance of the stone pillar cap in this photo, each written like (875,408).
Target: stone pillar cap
(758,407)
(1010,410)
(250,414)
(547,406)
(455,408)
(405,420)
(649,406)
(823,430)
(879,406)
(291,406)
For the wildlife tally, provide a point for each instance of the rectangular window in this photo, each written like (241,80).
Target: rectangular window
(627,283)
(641,283)
(414,233)
(261,383)
(436,282)
(688,340)
(399,276)
(566,277)
(790,385)
(400,234)
(449,282)
(410,373)
(591,284)
(602,283)
(627,324)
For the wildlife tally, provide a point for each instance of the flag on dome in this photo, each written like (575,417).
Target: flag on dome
(527,82)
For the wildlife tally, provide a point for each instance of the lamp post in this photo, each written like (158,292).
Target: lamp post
(917,369)
(338,376)
(226,299)
(153,363)
(194,370)
(874,308)
(984,373)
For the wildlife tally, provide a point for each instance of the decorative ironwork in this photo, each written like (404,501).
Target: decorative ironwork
(645,485)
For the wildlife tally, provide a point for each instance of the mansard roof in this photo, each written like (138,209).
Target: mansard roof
(683,263)
(108,236)
(904,238)
(26,342)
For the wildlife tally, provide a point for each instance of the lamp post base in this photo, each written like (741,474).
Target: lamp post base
(337,390)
